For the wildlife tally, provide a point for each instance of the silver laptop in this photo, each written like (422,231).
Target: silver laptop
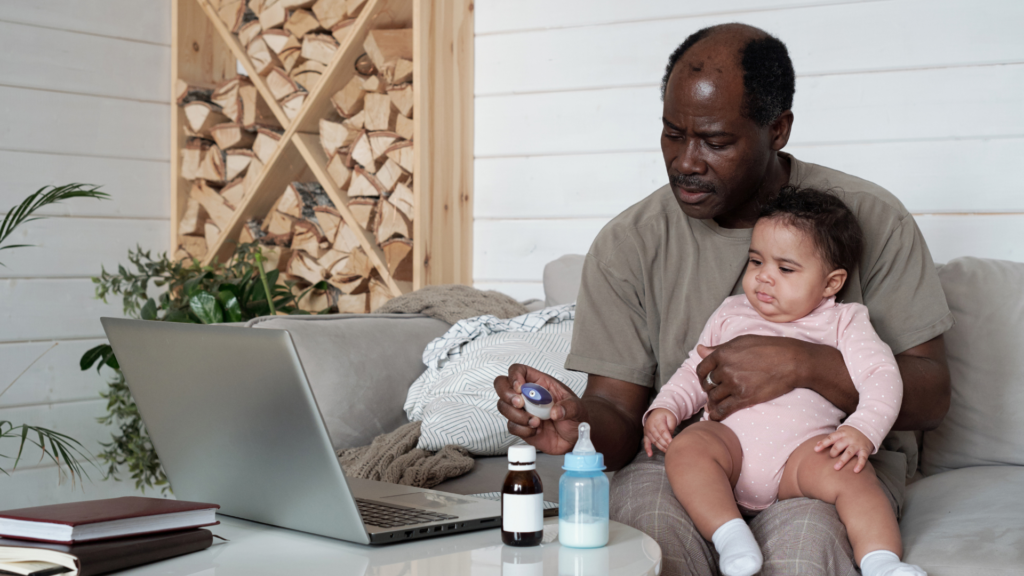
(232,416)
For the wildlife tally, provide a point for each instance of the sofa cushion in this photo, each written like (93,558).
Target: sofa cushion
(985,350)
(966,522)
(562,279)
(359,367)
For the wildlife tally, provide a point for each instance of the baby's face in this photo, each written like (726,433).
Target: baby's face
(786,277)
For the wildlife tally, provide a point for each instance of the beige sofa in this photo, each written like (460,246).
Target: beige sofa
(964,514)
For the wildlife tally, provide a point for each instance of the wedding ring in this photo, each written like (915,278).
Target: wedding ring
(708,379)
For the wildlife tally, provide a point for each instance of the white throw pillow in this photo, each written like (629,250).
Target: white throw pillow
(455,398)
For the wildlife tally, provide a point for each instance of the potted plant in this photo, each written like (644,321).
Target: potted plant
(187,292)
(61,448)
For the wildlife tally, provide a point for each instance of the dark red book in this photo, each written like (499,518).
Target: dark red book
(92,558)
(101,519)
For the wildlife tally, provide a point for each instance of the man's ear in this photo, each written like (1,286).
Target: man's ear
(781,129)
(834,282)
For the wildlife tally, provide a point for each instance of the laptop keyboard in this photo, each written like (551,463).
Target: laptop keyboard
(389,516)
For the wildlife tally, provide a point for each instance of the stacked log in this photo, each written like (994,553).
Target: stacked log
(320,256)
(230,133)
(369,145)
(290,42)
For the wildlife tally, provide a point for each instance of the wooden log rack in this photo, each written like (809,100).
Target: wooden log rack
(391,149)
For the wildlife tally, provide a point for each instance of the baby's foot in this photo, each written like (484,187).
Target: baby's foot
(738,552)
(886,563)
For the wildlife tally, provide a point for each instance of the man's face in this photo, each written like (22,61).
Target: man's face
(716,158)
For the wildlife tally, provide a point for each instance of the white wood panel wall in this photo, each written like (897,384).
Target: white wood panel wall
(920,96)
(84,90)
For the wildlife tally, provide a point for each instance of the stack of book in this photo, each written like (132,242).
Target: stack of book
(101,536)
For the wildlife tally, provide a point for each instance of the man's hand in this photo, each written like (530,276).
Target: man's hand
(555,436)
(750,369)
(658,430)
(847,442)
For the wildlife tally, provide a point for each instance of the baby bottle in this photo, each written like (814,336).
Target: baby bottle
(583,496)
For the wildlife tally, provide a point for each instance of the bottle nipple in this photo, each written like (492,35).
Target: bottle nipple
(584,446)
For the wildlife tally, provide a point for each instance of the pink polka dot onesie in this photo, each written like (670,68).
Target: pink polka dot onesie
(771,431)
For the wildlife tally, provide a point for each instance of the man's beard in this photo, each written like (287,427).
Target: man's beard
(692,182)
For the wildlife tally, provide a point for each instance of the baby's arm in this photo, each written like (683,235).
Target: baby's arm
(876,375)
(658,429)
(680,397)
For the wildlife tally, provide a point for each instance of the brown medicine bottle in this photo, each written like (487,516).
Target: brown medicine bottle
(522,499)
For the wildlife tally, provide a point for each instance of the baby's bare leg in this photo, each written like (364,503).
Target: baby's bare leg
(858,497)
(703,463)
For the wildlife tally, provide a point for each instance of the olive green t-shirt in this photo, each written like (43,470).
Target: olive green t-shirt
(654,276)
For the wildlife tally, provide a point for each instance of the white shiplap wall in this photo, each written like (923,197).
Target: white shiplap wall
(920,96)
(84,95)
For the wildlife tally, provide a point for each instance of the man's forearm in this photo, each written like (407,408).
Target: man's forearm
(926,387)
(614,409)
(614,434)
(826,373)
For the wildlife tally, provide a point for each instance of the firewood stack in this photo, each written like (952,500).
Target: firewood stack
(368,141)
(307,239)
(369,145)
(230,135)
(290,42)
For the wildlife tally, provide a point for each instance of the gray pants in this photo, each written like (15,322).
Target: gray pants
(797,537)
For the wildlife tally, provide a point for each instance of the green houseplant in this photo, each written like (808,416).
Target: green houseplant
(60,448)
(187,292)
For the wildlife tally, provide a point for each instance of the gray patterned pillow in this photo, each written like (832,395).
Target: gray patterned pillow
(457,402)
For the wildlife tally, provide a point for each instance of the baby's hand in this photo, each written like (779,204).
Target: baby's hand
(847,442)
(658,430)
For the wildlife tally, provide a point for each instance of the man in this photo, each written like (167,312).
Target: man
(657,272)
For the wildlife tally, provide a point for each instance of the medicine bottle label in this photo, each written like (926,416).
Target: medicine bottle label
(522,512)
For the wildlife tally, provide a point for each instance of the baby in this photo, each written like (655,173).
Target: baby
(803,247)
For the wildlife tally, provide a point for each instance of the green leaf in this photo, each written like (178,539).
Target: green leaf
(259,293)
(149,310)
(192,285)
(23,213)
(111,360)
(230,304)
(178,316)
(92,355)
(235,290)
(204,306)
(21,447)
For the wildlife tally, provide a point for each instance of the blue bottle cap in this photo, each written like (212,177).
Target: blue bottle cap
(584,463)
(536,394)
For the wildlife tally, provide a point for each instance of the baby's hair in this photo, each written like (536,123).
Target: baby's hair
(823,216)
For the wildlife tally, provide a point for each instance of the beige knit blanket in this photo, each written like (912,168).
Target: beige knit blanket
(453,302)
(394,458)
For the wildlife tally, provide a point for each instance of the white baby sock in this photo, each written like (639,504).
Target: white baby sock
(738,552)
(886,563)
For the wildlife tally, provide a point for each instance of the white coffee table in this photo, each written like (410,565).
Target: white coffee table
(257,550)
